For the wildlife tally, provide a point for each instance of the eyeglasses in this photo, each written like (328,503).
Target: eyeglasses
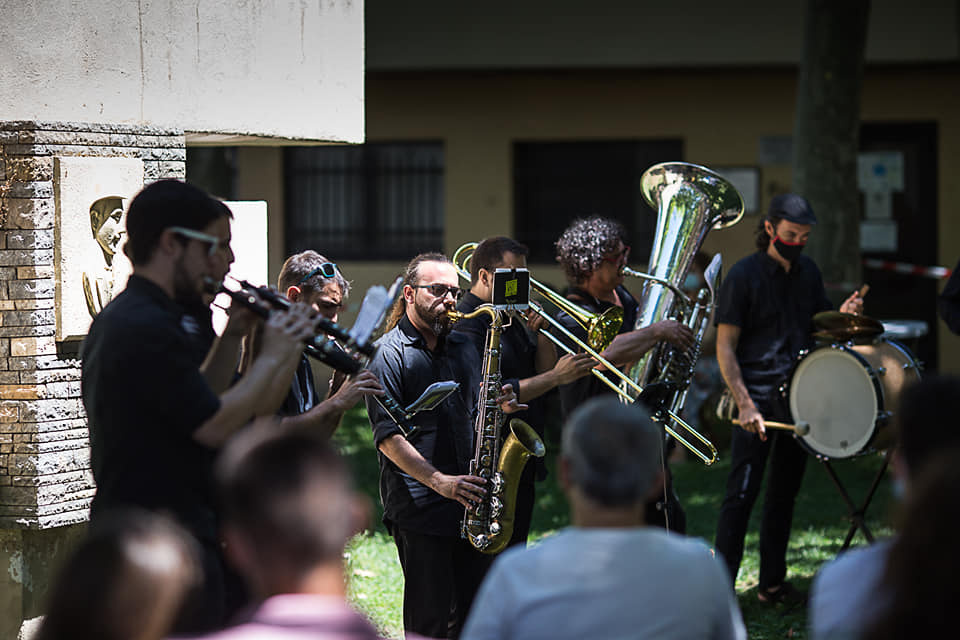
(619,256)
(214,242)
(327,270)
(441,290)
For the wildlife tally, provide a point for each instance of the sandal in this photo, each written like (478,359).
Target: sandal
(786,594)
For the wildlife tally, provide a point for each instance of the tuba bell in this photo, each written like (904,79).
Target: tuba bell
(690,201)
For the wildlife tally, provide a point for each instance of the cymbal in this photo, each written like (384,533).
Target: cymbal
(855,334)
(841,324)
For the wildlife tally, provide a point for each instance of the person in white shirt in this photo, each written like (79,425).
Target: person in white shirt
(608,575)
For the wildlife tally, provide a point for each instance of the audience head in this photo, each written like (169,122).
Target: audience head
(611,453)
(926,422)
(127,581)
(589,242)
(922,564)
(288,506)
(309,277)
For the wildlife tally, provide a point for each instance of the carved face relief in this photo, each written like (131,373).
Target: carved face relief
(106,223)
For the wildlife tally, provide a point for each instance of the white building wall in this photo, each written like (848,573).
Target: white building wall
(268,68)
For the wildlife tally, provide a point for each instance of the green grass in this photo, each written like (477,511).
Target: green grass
(819,526)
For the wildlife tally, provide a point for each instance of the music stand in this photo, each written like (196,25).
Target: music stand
(857,515)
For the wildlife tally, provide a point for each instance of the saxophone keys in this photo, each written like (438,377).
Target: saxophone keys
(496,506)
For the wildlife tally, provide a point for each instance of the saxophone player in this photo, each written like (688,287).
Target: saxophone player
(425,483)
(530,366)
(593,253)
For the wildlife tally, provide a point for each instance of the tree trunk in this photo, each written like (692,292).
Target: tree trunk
(826,134)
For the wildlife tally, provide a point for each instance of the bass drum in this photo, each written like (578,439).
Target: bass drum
(848,394)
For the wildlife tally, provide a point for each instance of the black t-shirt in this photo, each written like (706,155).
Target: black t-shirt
(574,394)
(774,310)
(405,368)
(303,392)
(145,396)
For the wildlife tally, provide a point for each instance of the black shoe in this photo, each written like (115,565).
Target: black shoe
(786,594)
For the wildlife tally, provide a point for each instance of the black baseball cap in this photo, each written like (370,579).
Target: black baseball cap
(792,207)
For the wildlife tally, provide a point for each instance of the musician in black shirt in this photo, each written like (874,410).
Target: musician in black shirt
(425,482)
(155,420)
(310,278)
(529,364)
(764,318)
(593,253)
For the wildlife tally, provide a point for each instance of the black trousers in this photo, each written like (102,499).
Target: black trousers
(748,458)
(441,577)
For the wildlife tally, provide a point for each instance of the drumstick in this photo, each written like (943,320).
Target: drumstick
(801,428)
(863,290)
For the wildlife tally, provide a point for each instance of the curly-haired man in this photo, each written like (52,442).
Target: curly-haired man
(593,253)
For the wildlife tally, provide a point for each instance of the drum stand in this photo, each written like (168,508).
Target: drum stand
(857,515)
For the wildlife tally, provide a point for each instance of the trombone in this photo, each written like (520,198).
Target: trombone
(461,260)
(601,328)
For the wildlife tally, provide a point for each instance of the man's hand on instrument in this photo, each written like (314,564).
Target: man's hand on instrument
(508,400)
(573,366)
(674,332)
(752,421)
(467,490)
(356,387)
(240,320)
(286,332)
(535,321)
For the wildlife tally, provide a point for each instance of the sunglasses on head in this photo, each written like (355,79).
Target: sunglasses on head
(441,290)
(214,242)
(327,270)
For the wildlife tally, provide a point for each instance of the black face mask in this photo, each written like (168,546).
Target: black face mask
(790,252)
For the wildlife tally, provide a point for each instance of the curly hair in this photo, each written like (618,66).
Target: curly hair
(581,248)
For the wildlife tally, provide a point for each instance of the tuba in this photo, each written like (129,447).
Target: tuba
(489,526)
(690,201)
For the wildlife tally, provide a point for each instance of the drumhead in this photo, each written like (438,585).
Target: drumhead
(833,391)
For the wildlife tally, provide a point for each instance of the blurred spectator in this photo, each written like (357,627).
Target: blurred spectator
(847,594)
(126,581)
(922,564)
(289,508)
(608,575)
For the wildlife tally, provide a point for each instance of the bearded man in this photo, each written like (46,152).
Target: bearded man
(425,483)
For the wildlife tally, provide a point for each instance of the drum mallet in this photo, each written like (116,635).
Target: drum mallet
(801,428)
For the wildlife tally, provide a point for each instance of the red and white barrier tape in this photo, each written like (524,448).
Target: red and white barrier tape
(911,269)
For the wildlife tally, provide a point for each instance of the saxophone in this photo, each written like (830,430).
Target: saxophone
(489,526)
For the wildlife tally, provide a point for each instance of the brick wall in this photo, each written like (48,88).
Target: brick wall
(45,478)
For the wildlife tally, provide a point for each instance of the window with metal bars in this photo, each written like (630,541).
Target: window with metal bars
(375,201)
(557,182)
